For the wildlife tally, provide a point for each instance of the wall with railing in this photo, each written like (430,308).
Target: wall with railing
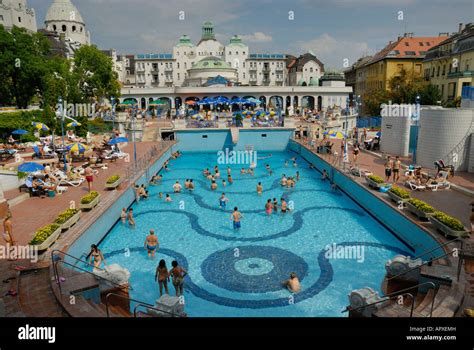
(418,240)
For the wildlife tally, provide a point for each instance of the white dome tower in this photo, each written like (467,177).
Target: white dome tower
(64,18)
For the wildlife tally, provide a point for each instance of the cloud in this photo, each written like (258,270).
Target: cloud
(257,37)
(331,51)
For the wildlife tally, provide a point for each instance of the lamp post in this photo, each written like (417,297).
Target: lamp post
(417,117)
(112,101)
(134,115)
(60,114)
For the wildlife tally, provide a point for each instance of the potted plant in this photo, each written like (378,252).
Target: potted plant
(375,181)
(90,200)
(448,225)
(46,236)
(419,208)
(113,182)
(68,218)
(398,194)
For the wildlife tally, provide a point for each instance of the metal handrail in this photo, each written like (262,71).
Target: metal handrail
(153,308)
(139,303)
(398,293)
(72,256)
(440,246)
(419,267)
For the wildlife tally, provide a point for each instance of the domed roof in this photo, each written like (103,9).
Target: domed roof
(313,81)
(63,10)
(185,41)
(236,41)
(211,63)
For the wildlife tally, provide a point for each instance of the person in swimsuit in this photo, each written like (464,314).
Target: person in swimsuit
(355,152)
(123,215)
(223,201)
(275,205)
(269,170)
(293,284)
(229,179)
(89,173)
(229,171)
(8,230)
(162,277)
(151,243)
(213,185)
(325,175)
(177,273)
(259,189)
(242,171)
(297,176)
(177,187)
(388,169)
(96,257)
(284,206)
(236,217)
(191,185)
(396,169)
(269,207)
(131,220)
(224,184)
(168,198)
(283,180)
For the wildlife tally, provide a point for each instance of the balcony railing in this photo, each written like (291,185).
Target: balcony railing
(464,74)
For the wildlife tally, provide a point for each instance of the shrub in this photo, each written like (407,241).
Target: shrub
(113,179)
(43,234)
(452,223)
(88,198)
(65,216)
(376,179)
(400,192)
(22,175)
(422,206)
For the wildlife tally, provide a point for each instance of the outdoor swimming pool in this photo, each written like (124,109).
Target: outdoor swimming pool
(238,273)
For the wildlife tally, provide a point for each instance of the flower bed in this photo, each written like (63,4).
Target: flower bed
(90,200)
(448,225)
(398,194)
(419,208)
(68,218)
(113,182)
(46,236)
(375,181)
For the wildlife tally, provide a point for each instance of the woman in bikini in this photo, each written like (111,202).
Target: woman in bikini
(177,273)
(96,257)
(161,276)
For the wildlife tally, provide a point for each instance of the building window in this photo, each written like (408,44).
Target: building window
(1,18)
(73,28)
(19,19)
(64,27)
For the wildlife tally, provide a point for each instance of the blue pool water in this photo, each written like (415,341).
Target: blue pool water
(238,273)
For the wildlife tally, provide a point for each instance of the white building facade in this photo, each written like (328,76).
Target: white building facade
(17,13)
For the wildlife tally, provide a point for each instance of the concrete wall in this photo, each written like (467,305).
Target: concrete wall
(444,134)
(216,140)
(396,135)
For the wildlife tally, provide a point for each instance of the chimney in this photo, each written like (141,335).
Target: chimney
(461,27)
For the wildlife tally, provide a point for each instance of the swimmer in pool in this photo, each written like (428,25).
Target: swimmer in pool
(242,171)
(186,184)
(297,176)
(123,215)
(151,243)
(293,284)
(236,217)
(177,187)
(131,220)
(283,180)
(168,198)
(229,179)
(223,201)
(229,171)
(259,189)
(160,195)
(217,174)
(224,184)
(283,206)
(269,170)
(269,207)
(214,186)
(191,185)
(275,205)
(286,164)
(206,172)
(250,171)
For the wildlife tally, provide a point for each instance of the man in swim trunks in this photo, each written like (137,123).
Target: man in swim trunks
(396,169)
(177,187)
(223,201)
(269,170)
(191,185)
(259,189)
(284,206)
(89,173)
(8,230)
(293,284)
(236,216)
(131,220)
(283,180)
(388,169)
(151,243)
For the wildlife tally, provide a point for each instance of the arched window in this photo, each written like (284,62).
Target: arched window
(64,27)
(73,28)
(54,27)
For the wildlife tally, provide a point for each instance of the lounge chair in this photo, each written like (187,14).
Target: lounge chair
(360,172)
(39,156)
(415,187)
(440,182)
(73,183)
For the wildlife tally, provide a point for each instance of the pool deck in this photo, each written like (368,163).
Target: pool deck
(33,213)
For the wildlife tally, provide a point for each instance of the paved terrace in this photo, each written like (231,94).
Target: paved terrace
(35,297)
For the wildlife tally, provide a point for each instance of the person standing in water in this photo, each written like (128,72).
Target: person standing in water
(151,243)
(223,201)
(259,189)
(177,273)
(236,217)
(162,276)
(269,207)
(131,220)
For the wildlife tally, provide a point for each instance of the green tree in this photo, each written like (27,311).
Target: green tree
(372,101)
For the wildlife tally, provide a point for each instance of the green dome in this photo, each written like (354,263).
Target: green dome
(301,82)
(185,41)
(236,41)
(211,63)
(314,82)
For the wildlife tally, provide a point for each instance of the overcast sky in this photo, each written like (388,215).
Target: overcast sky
(333,30)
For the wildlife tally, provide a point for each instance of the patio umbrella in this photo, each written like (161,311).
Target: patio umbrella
(40,126)
(379,134)
(129,102)
(190,103)
(254,100)
(73,124)
(77,147)
(158,103)
(20,132)
(118,140)
(337,135)
(30,167)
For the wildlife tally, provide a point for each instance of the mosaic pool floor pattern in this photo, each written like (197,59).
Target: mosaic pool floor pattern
(239,273)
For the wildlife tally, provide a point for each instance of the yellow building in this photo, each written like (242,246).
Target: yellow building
(450,65)
(407,53)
